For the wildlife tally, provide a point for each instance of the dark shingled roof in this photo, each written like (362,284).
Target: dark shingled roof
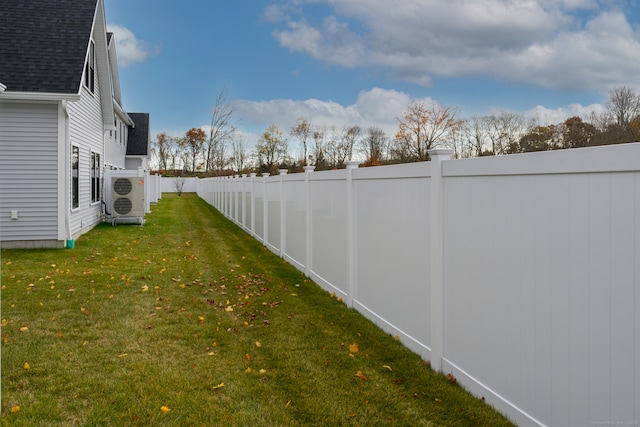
(43,44)
(138,142)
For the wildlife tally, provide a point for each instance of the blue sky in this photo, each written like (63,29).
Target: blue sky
(361,62)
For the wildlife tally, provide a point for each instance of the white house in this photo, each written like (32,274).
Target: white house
(62,124)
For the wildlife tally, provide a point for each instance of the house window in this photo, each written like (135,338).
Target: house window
(75,184)
(95,177)
(90,69)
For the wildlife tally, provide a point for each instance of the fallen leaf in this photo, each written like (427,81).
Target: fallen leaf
(387,367)
(248,357)
(258,344)
(218,386)
(165,409)
(353,348)
(248,370)
(26,365)
(359,374)
(123,355)
(24,329)
(15,408)
(452,379)
(263,371)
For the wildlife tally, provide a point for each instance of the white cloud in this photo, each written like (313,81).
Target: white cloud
(546,116)
(376,107)
(129,48)
(566,44)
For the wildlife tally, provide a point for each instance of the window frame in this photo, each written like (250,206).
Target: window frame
(75,177)
(90,69)
(95,177)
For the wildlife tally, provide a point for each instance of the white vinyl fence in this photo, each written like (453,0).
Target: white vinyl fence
(520,274)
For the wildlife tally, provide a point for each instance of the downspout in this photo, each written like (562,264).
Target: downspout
(67,180)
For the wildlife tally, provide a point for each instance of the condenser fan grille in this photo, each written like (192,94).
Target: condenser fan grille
(122,205)
(122,187)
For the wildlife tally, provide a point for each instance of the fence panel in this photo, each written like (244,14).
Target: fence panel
(393,251)
(520,275)
(328,195)
(296,221)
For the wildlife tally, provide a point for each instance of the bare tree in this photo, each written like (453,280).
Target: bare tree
(422,128)
(504,131)
(302,131)
(178,185)
(475,134)
(162,149)
(239,153)
(623,112)
(373,146)
(623,105)
(220,133)
(319,157)
(350,136)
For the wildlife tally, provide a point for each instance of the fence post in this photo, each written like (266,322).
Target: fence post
(283,220)
(218,191)
(253,205)
(307,204)
(224,196)
(265,210)
(351,235)
(244,201)
(437,256)
(236,187)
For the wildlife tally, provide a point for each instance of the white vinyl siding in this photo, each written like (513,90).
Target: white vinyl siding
(29,171)
(116,149)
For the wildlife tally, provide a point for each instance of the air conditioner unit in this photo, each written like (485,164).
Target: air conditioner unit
(127,197)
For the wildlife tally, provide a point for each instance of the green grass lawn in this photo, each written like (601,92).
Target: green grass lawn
(188,321)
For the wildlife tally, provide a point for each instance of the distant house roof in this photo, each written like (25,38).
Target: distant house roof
(138,141)
(43,44)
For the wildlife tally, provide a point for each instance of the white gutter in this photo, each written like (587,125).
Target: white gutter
(38,96)
(125,117)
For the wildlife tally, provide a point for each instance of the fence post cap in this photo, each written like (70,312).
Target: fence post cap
(353,164)
(265,174)
(309,169)
(440,152)
(253,174)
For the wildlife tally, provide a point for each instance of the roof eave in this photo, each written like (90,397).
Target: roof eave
(2,88)
(123,114)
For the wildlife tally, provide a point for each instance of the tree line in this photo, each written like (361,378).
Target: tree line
(224,151)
